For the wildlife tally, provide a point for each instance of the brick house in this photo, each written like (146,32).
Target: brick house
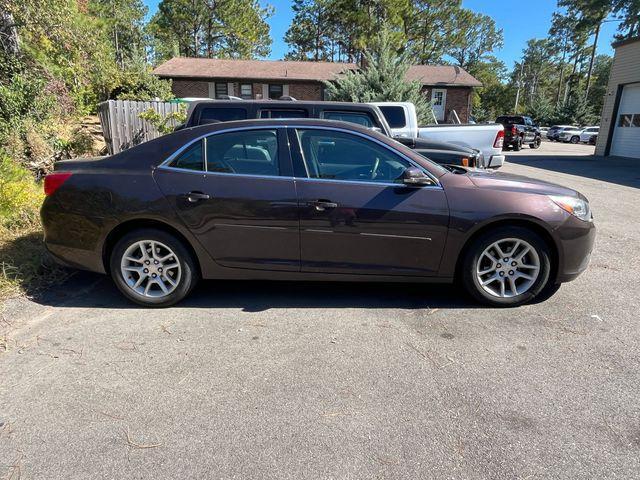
(450,87)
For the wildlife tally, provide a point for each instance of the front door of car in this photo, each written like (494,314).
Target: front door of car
(235,191)
(355,214)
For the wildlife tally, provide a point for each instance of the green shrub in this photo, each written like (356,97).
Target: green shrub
(20,196)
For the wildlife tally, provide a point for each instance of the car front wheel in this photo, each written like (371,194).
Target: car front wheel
(575,139)
(536,143)
(507,267)
(153,268)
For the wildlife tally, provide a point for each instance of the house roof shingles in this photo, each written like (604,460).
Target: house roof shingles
(445,75)
(210,68)
(250,69)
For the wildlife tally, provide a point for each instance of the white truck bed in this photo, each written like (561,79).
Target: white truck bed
(485,137)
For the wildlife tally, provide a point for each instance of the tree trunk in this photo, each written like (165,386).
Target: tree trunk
(593,55)
(8,34)
(564,54)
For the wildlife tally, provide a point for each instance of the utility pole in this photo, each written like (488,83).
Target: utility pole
(519,82)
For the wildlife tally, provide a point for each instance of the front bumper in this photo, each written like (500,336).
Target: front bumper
(576,240)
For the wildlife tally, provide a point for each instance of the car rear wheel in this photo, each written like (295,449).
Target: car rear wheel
(153,268)
(575,139)
(536,143)
(517,145)
(507,267)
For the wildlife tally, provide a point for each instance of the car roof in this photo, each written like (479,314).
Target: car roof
(282,122)
(291,104)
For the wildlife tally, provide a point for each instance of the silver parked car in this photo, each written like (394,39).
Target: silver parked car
(554,132)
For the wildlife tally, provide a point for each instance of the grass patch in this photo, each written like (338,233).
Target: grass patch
(23,266)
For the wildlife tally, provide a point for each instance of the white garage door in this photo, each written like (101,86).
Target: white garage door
(626,136)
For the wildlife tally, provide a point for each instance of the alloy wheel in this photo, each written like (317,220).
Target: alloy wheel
(150,268)
(508,267)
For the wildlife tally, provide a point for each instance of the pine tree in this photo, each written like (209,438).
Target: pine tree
(382,79)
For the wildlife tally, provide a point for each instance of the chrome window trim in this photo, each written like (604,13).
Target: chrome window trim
(248,175)
(165,164)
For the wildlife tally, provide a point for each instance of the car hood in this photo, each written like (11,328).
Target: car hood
(490,179)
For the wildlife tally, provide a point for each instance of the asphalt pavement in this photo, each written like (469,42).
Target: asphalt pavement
(260,380)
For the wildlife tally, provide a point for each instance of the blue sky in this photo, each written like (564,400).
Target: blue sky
(521,20)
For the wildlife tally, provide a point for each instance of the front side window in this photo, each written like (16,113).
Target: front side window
(221,90)
(358,118)
(222,114)
(190,159)
(246,91)
(275,91)
(395,116)
(247,152)
(342,156)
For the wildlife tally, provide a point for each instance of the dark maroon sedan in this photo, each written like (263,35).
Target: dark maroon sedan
(308,200)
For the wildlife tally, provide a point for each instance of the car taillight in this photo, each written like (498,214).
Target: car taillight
(54,181)
(499,141)
(514,130)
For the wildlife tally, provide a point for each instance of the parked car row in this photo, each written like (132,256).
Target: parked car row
(573,134)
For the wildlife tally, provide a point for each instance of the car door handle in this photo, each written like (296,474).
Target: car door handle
(194,197)
(322,205)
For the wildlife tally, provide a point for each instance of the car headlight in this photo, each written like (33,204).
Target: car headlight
(573,205)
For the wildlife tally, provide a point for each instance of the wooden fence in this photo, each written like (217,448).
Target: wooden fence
(122,126)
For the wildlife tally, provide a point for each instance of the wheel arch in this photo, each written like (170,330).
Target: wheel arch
(136,224)
(527,223)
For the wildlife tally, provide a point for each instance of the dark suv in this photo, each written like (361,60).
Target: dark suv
(362,114)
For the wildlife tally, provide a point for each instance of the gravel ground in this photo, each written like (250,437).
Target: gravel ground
(346,381)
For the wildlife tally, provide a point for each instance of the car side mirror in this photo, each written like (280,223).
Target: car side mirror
(416,177)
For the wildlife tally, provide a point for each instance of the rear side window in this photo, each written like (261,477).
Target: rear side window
(395,116)
(222,114)
(247,152)
(283,113)
(358,118)
(190,159)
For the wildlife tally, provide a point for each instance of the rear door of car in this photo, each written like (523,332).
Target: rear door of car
(356,215)
(235,191)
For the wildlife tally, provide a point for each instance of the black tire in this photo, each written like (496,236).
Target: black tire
(575,139)
(475,250)
(517,145)
(189,271)
(536,143)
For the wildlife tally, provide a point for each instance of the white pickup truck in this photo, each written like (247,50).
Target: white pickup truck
(488,138)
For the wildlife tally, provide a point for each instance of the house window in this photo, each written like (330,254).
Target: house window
(221,89)
(275,91)
(246,91)
(636,120)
